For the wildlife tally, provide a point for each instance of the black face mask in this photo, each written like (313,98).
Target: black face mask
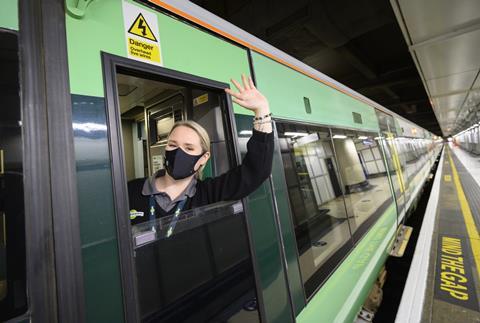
(179,164)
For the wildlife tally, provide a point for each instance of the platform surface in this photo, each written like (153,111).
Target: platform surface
(453,285)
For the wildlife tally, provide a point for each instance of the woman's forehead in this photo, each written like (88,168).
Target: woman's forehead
(185,135)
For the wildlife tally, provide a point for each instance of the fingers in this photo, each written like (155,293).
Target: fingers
(245,82)
(250,81)
(236,95)
(237,85)
(238,101)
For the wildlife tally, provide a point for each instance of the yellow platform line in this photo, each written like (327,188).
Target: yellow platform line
(472,231)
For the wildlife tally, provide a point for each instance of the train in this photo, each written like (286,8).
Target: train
(468,139)
(89,92)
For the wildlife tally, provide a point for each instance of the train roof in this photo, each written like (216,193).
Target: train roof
(219,26)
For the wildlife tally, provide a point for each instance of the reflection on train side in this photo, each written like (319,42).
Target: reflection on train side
(195,267)
(338,186)
(367,189)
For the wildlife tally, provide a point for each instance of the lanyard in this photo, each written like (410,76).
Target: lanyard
(173,222)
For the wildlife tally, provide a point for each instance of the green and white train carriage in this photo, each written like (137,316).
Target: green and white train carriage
(89,92)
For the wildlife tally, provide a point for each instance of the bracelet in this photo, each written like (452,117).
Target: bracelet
(262,122)
(264,117)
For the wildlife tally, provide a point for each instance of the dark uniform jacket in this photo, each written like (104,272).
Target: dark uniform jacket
(232,185)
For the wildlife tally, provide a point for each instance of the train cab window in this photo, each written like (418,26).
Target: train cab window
(191,265)
(364,176)
(316,199)
(13,299)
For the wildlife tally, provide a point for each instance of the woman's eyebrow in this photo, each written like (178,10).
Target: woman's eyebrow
(171,141)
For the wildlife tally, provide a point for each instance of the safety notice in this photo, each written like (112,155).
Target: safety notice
(454,281)
(141,34)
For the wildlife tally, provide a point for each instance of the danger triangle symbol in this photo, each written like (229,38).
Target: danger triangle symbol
(142,29)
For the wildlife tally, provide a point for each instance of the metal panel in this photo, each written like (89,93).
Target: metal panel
(444,39)
(428,18)
(451,56)
(451,84)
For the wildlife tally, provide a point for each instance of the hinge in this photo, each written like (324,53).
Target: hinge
(77,8)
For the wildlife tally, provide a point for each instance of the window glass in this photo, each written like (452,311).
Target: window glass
(398,144)
(392,158)
(364,175)
(315,194)
(194,266)
(395,168)
(409,159)
(13,300)
(197,267)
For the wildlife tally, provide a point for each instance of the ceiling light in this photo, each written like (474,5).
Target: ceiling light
(362,137)
(339,137)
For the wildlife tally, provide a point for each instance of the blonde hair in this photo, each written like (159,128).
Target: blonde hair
(202,134)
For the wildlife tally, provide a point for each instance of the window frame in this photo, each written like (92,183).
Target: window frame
(110,66)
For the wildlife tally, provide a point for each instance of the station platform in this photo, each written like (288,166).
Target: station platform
(443,283)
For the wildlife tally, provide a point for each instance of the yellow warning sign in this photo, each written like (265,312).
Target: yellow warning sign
(141,28)
(200,100)
(140,49)
(142,38)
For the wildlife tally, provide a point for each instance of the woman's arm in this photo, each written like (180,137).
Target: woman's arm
(257,163)
(242,180)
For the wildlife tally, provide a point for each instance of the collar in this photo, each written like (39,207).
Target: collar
(149,187)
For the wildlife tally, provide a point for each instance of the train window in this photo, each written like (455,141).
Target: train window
(398,147)
(13,300)
(408,160)
(315,193)
(387,141)
(194,265)
(395,168)
(364,176)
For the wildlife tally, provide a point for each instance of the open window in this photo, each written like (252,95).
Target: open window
(196,266)
(150,107)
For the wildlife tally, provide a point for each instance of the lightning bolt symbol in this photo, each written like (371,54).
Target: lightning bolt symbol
(142,27)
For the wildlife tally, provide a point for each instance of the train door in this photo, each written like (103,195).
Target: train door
(196,266)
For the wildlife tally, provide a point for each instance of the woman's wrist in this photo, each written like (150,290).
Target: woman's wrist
(263,120)
(262,111)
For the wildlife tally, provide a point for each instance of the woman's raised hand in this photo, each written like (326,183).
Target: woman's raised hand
(249,97)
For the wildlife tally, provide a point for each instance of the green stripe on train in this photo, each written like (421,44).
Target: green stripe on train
(344,293)
(286,89)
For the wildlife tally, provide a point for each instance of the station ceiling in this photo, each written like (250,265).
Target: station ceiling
(444,39)
(358,43)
